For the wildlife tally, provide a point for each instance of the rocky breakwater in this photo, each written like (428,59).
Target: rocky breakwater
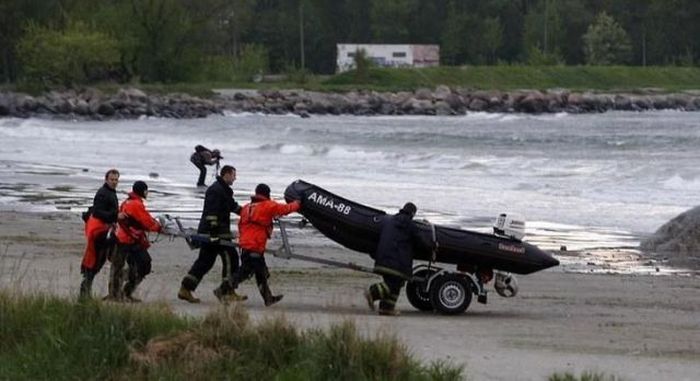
(447,101)
(94,104)
(133,103)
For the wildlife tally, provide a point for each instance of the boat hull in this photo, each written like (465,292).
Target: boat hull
(357,227)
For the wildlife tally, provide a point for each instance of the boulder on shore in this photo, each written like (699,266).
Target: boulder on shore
(678,240)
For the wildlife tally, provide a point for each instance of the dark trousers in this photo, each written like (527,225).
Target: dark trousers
(206,260)
(139,261)
(387,292)
(202,172)
(252,264)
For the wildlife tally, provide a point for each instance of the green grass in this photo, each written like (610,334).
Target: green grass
(608,78)
(50,338)
(600,78)
(503,77)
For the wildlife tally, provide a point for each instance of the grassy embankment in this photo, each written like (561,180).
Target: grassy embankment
(49,338)
(603,78)
(599,78)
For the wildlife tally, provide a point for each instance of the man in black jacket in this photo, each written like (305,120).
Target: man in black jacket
(216,222)
(393,259)
(99,219)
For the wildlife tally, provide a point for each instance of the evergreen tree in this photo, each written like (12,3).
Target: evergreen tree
(606,43)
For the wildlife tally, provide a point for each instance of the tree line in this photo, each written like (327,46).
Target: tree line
(79,41)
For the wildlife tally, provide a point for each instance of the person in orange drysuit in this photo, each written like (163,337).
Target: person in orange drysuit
(254,229)
(99,219)
(132,244)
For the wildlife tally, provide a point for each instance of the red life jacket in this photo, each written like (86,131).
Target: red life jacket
(255,224)
(133,228)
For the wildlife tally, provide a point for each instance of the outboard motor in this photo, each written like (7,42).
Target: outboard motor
(509,226)
(505,284)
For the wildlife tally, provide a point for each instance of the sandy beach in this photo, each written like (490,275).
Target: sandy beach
(638,327)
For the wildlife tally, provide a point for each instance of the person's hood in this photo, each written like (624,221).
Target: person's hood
(258,198)
(134,196)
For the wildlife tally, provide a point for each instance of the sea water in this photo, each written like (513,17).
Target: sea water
(587,182)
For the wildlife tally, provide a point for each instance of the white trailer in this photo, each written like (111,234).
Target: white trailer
(389,55)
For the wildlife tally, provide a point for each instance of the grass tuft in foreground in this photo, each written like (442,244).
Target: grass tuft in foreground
(49,338)
(585,376)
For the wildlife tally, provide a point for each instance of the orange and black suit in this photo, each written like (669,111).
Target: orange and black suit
(254,228)
(132,245)
(102,216)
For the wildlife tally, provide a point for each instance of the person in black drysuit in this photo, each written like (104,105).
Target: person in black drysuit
(99,219)
(216,222)
(393,259)
(202,157)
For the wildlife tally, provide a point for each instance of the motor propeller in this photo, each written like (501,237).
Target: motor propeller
(505,284)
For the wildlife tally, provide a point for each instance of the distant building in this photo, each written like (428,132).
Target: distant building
(389,55)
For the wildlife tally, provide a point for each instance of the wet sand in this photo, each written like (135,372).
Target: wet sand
(638,327)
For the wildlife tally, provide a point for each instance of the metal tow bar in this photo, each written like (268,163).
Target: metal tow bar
(285,252)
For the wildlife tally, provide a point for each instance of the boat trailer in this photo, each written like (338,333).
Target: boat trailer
(431,288)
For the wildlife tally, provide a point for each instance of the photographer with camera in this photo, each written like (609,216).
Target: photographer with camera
(202,157)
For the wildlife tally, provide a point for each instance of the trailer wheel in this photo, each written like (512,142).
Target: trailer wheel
(450,294)
(416,293)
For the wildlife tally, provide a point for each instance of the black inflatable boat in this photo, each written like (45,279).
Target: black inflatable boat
(357,227)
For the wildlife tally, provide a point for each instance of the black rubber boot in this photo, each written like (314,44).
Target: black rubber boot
(117,274)
(129,289)
(267,295)
(86,286)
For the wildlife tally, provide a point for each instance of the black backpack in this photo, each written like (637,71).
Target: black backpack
(86,215)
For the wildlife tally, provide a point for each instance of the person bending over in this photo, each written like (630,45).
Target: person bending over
(202,157)
(393,259)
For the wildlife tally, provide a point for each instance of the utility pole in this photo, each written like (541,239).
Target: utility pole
(546,17)
(301,32)
(644,46)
